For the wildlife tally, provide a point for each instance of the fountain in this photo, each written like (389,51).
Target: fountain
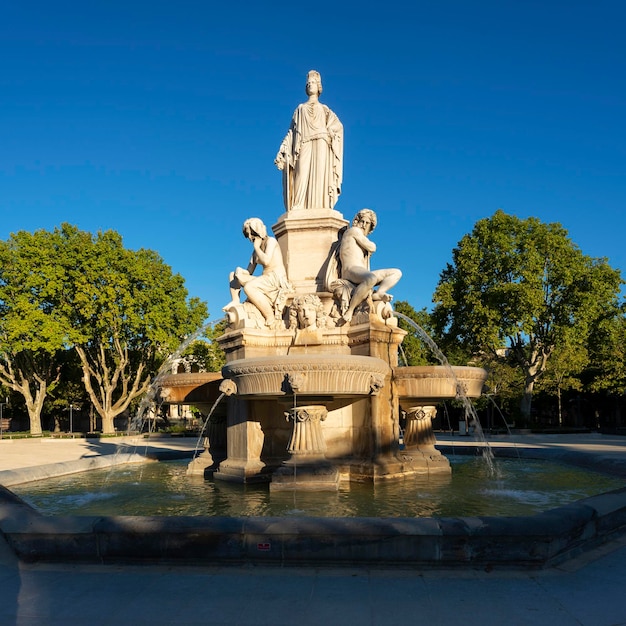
(314,390)
(312,394)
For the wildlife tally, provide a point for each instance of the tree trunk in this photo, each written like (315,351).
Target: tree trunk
(108,424)
(527,399)
(34,406)
(35,424)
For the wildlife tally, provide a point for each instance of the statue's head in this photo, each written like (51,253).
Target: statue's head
(365,217)
(254,226)
(313,77)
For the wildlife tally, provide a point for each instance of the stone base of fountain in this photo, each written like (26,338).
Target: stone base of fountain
(242,471)
(316,475)
(203,465)
(532,541)
(307,468)
(401,466)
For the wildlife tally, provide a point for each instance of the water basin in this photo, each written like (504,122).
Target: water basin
(161,488)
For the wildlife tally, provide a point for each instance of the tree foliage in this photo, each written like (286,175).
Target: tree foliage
(33,331)
(413,350)
(128,311)
(123,311)
(606,371)
(206,352)
(522,288)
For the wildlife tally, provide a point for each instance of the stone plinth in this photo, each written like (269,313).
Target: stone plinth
(244,445)
(420,454)
(419,431)
(214,444)
(306,238)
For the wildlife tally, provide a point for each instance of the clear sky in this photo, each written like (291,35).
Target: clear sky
(161,120)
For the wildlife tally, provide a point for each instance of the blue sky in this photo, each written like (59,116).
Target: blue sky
(161,120)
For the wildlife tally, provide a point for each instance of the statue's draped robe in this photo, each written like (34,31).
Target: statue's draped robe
(313,150)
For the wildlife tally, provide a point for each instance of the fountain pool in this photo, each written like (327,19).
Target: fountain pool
(297,537)
(162,489)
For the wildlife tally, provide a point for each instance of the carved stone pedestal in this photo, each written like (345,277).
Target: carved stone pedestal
(306,238)
(203,465)
(307,467)
(206,463)
(245,442)
(419,429)
(420,453)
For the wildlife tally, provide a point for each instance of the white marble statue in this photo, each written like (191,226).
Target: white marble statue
(355,250)
(267,291)
(311,154)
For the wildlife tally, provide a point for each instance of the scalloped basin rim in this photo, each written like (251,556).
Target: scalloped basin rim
(314,374)
(432,383)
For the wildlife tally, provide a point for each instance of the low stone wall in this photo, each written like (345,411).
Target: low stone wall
(532,541)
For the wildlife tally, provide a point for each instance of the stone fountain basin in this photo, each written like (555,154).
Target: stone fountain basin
(430,384)
(319,375)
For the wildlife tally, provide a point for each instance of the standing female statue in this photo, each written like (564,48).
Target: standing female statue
(311,154)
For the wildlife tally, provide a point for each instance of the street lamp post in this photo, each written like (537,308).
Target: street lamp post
(71,408)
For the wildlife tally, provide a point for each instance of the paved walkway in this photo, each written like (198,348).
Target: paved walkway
(588,590)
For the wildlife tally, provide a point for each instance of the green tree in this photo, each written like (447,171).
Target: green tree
(206,352)
(563,372)
(522,287)
(606,371)
(413,349)
(70,390)
(503,388)
(33,332)
(127,312)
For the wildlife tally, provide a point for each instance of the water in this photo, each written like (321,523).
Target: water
(467,405)
(206,422)
(162,488)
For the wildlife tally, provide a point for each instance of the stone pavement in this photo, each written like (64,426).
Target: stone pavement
(588,590)
(31,459)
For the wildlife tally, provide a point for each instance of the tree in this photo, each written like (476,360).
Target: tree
(206,353)
(33,332)
(607,347)
(127,312)
(563,372)
(522,287)
(413,350)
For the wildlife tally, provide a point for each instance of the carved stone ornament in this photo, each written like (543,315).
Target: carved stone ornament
(307,313)
(228,387)
(377,382)
(296,381)
(307,437)
(325,374)
(419,429)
